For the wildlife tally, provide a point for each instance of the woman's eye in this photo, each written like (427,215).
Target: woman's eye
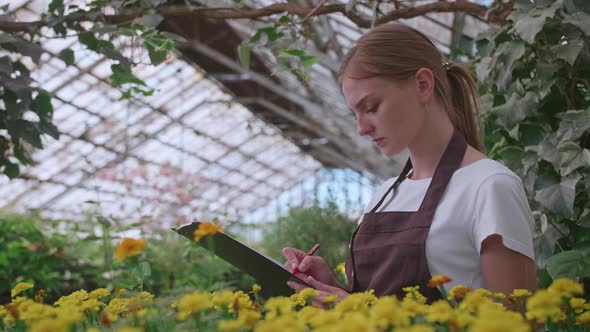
(372,110)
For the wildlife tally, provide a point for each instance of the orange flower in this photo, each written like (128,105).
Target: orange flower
(129,247)
(458,292)
(206,228)
(438,280)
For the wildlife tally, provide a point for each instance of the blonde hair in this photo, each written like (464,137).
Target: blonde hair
(397,51)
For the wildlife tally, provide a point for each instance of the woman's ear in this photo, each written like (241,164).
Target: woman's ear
(424,84)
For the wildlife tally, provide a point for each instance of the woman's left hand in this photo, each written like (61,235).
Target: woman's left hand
(323,289)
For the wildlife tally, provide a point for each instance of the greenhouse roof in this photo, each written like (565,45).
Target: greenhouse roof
(215,139)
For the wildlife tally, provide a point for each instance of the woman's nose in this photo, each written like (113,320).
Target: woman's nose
(363,126)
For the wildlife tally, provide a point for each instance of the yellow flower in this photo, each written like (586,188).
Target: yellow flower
(584,319)
(192,303)
(440,311)
(412,307)
(301,298)
(544,306)
(222,299)
(330,299)
(129,247)
(356,302)
(278,306)
(565,287)
(458,292)
(416,328)
(240,301)
(19,288)
(322,318)
(256,288)
(518,293)
(387,311)
(246,319)
(50,324)
(288,323)
(74,299)
(438,280)
(99,293)
(341,268)
(578,304)
(92,305)
(493,317)
(473,300)
(206,228)
(117,306)
(413,293)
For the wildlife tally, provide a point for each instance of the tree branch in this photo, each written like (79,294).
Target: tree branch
(274,9)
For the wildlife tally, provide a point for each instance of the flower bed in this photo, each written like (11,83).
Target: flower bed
(556,308)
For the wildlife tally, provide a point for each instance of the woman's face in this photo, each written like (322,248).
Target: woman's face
(391,113)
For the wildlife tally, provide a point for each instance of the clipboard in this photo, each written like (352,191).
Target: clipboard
(267,271)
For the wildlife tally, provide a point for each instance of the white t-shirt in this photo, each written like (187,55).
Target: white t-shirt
(481,199)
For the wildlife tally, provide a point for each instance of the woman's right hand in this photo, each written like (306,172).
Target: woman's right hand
(314,266)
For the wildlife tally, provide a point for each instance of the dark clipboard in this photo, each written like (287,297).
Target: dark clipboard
(270,273)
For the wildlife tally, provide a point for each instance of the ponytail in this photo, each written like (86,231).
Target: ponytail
(464,108)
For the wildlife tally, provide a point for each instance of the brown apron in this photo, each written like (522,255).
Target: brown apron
(388,249)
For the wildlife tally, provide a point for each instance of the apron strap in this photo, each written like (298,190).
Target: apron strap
(399,180)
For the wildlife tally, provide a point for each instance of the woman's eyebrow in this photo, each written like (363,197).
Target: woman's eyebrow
(361,102)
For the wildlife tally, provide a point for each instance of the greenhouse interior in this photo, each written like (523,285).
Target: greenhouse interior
(123,120)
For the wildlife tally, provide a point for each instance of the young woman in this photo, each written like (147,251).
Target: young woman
(452,210)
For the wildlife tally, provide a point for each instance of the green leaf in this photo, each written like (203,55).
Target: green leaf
(122,75)
(56,5)
(42,104)
(529,25)
(515,109)
(144,270)
(67,56)
(26,130)
(89,40)
(580,159)
(573,124)
(581,20)
(292,52)
(245,55)
(569,51)
(569,264)
(307,61)
(11,170)
(559,197)
(531,133)
(514,53)
(512,155)
(49,128)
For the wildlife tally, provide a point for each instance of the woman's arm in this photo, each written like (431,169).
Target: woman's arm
(505,269)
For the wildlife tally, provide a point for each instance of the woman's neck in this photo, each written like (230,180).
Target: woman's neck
(429,145)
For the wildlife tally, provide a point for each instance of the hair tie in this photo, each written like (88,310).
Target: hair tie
(446,64)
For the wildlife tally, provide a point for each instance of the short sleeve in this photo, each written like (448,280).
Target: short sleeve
(501,208)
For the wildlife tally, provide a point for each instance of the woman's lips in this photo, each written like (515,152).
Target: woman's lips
(379,141)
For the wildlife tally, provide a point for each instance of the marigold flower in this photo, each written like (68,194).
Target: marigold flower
(206,228)
(388,311)
(192,303)
(578,304)
(584,319)
(19,288)
(438,280)
(129,247)
(256,288)
(565,287)
(440,311)
(458,292)
(416,328)
(544,306)
(518,293)
(330,299)
(99,293)
(341,267)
